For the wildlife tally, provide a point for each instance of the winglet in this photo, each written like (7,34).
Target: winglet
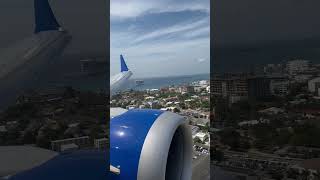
(44,17)
(124,66)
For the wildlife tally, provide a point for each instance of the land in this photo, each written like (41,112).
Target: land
(42,116)
(268,133)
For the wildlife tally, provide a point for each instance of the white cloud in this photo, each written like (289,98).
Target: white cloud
(129,8)
(122,9)
(178,28)
(198,32)
(182,48)
(162,56)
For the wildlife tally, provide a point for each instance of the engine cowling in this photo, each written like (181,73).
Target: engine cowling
(150,145)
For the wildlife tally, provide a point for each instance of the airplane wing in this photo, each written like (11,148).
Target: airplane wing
(79,165)
(26,61)
(118,81)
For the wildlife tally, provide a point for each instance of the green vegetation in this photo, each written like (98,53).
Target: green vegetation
(40,121)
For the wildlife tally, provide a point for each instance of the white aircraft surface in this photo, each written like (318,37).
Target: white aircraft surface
(118,81)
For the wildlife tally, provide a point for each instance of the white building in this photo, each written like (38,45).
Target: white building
(273,69)
(199,88)
(279,87)
(234,99)
(172,109)
(149,98)
(152,91)
(169,103)
(208,89)
(297,66)
(101,143)
(314,85)
(81,142)
(204,82)
(202,136)
(302,78)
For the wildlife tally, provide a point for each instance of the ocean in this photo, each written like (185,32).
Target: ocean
(159,82)
(96,83)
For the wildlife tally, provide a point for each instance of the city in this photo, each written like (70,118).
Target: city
(265,123)
(58,119)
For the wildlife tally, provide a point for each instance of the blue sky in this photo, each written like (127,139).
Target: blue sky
(161,37)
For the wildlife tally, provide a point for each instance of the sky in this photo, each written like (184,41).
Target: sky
(169,37)
(160,37)
(251,33)
(236,23)
(85,20)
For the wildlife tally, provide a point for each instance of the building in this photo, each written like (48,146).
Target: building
(196,114)
(172,109)
(230,85)
(101,143)
(152,91)
(297,66)
(259,87)
(185,89)
(302,78)
(202,136)
(279,87)
(208,89)
(200,122)
(81,142)
(199,88)
(149,98)
(194,130)
(271,69)
(314,85)
(234,99)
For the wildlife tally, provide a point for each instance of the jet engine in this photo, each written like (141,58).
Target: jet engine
(149,145)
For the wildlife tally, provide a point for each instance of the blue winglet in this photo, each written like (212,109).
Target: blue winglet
(124,66)
(44,17)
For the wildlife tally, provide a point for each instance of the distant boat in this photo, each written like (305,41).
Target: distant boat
(139,82)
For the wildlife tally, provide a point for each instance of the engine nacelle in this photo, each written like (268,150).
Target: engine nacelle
(150,145)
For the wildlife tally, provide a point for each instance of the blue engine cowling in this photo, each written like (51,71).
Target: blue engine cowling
(150,144)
